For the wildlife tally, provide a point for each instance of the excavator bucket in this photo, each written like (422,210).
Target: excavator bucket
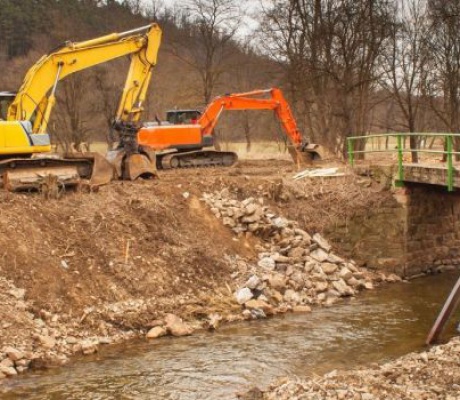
(69,170)
(304,157)
(133,166)
(102,171)
(138,165)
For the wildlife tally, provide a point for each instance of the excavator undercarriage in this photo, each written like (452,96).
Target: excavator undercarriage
(73,169)
(195,159)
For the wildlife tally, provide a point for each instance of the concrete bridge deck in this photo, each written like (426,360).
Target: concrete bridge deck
(430,174)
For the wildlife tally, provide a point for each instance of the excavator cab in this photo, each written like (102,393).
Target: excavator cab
(182,117)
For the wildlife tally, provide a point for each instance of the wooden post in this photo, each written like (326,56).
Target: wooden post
(449,307)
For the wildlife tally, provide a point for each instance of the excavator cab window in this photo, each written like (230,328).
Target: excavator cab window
(6,98)
(179,117)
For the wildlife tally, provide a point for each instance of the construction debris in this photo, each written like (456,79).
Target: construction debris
(316,173)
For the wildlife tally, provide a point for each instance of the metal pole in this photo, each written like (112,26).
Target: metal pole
(400,161)
(450,167)
(351,158)
(449,307)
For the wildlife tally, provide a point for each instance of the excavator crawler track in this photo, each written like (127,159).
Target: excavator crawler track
(29,173)
(194,159)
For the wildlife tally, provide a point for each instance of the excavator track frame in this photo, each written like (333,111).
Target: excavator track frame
(73,169)
(29,173)
(196,159)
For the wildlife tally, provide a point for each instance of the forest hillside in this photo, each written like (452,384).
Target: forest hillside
(348,68)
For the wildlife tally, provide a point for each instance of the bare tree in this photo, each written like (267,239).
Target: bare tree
(445,52)
(207,40)
(406,62)
(109,86)
(154,9)
(74,113)
(330,50)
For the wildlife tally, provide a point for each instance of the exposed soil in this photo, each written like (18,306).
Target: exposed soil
(148,239)
(112,262)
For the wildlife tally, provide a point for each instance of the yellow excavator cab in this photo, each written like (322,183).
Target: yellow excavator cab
(17,138)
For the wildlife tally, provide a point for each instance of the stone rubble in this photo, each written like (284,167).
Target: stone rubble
(295,270)
(56,337)
(433,374)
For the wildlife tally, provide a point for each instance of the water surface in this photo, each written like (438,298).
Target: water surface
(380,325)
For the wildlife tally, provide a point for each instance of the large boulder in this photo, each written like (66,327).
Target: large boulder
(176,327)
(156,332)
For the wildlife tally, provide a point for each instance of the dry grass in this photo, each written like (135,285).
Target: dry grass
(259,150)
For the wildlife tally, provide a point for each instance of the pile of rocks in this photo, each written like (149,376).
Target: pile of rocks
(45,338)
(434,374)
(295,269)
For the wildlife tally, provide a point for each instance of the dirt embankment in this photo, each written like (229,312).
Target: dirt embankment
(97,268)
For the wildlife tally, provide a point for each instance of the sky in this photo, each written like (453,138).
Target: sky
(249,23)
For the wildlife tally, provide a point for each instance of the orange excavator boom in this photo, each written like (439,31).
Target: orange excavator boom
(253,101)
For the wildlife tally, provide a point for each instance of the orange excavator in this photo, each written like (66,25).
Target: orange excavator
(181,140)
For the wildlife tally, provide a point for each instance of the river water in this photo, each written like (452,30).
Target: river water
(379,325)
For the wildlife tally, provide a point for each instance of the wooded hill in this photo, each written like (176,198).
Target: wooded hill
(348,67)
(87,101)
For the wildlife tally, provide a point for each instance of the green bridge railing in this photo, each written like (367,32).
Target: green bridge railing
(400,149)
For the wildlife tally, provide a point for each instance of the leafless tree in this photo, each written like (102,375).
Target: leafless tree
(154,9)
(109,86)
(74,112)
(207,41)
(406,61)
(330,51)
(445,52)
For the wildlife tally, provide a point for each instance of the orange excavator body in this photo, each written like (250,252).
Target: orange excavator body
(191,137)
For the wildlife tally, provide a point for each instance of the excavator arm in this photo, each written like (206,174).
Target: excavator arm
(253,101)
(37,92)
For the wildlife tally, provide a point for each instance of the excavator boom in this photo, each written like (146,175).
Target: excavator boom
(74,57)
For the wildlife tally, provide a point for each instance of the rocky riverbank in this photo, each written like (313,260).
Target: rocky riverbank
(429,375)
(268,265)
(295,269)
(168,257)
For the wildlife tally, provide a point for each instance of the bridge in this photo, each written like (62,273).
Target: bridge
(417,228)
(435,152)
(430,233)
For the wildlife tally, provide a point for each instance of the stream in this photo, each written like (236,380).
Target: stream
(379,325)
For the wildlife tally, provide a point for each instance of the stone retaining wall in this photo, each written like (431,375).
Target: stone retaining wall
(417,231)
(433,228)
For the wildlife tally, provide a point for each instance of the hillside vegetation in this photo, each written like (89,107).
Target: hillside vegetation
(348,68)
(87,101)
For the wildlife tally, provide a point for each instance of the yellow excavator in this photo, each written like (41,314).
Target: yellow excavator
(25,145)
